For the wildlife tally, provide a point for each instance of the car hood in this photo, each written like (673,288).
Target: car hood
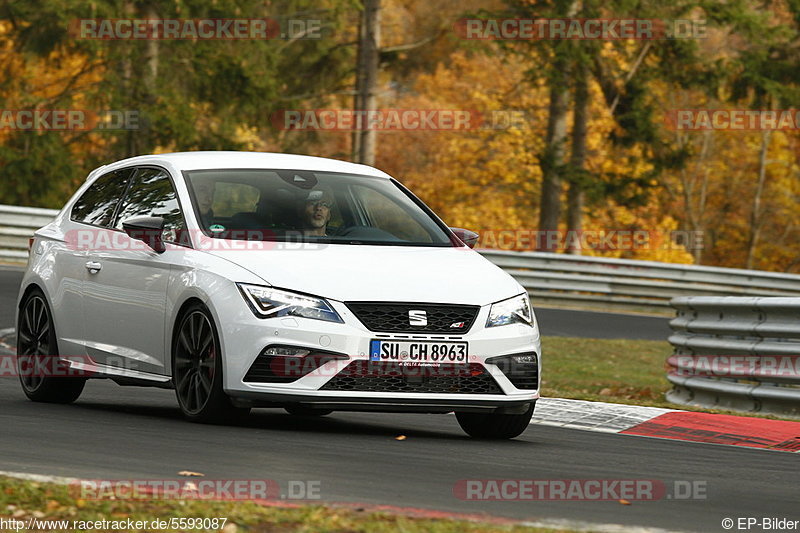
(381,273)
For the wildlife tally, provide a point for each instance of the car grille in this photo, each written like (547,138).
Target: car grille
(379,376)
(394,317)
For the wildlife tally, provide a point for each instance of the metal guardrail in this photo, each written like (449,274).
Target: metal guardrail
(624,284)
(735,353)
(17,225)
(550,279)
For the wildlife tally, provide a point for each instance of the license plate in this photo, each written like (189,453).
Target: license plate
(418,353)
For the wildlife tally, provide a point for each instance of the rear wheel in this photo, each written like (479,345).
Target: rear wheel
(37,355)
(493,425)
(197,369)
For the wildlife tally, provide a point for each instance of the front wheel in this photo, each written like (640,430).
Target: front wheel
(197,370)
(495,426)
(37,355)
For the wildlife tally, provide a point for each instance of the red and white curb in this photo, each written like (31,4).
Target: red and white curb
(750,432)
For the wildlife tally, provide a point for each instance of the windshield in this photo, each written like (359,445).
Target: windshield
(302,205)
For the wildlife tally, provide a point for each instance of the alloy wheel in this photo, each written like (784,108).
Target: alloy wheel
(34,347)
(195,362)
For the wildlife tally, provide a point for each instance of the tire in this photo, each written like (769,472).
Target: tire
(197,372)
(495,426)
(298,410)
(37,350)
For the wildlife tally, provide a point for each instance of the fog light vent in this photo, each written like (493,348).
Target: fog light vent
(521,369)
(285,364)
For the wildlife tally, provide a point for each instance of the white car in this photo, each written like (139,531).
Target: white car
(248,280)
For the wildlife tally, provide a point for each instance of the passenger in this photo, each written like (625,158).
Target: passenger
(204,192)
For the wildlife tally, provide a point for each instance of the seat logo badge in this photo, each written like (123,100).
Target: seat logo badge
(417,317)
(458,325)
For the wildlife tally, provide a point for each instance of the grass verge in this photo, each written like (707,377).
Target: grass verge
(25,500)
(608,370)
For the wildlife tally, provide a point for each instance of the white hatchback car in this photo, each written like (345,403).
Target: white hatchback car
(268,280)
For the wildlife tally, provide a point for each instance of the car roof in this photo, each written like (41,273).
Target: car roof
(181,161)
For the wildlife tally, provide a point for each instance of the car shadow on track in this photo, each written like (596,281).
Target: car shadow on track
(338,423)
(108,405)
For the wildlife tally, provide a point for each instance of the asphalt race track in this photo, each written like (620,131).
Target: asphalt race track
(134,433)
(131,433)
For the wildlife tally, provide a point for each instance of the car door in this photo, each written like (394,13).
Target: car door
(125,293)
(91,212)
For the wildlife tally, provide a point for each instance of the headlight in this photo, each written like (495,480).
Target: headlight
(267,302)
(516,310)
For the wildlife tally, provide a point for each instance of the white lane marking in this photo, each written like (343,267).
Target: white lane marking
(5,335)
(578,525)
(593,416)
(40,478)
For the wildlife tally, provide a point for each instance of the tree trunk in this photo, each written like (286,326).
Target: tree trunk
(578,158)
(755,215)
(367,80)
(695,209)
(553,158)
(149,80)
(139,67)
(355,137)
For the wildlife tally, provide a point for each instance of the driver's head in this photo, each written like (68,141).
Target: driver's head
(315,210)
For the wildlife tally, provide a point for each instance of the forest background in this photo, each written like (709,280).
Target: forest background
(578,134)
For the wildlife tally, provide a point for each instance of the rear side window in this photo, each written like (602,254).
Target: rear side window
(96,206)
(151,195)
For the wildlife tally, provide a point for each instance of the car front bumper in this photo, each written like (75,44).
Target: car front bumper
(244,336)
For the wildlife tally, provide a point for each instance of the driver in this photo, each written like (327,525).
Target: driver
(315,213)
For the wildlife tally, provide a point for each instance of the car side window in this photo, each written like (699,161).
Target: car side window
(151,194)
(97,204)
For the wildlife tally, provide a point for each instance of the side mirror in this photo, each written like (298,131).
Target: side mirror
(147,230)
(470,238)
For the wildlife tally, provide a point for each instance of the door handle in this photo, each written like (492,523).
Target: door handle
(93,267)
